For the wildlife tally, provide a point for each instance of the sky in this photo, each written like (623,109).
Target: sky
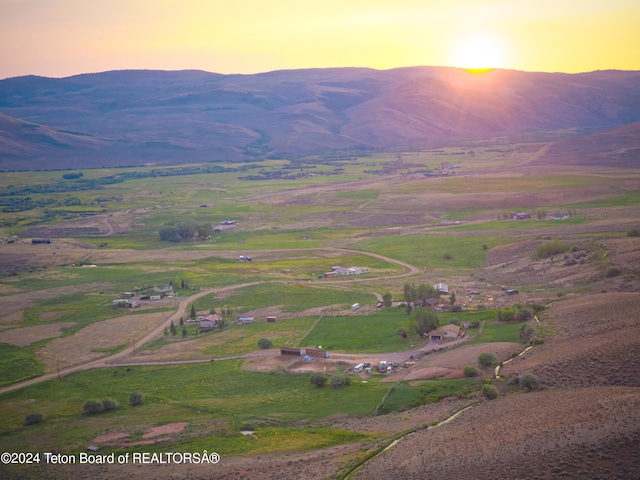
(58,38)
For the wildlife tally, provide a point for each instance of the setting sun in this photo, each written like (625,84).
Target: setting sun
(479,51)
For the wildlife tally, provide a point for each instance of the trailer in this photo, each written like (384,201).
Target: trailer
(358,368)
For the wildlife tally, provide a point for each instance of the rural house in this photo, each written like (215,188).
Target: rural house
(210,321)
(520,216)
(447,332)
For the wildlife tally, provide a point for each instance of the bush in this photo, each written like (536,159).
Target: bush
(633,233)
(318,379)
(486,359)
(613,272)
(530,381)
(549,249)
(92,407)
(109,404)
(490,392)
(447,256)
(338,381)
(33,418)
(470,371)
(264,343)
(526,333)
(135,399)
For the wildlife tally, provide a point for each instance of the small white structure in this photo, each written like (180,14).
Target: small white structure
(245,320)
(355,306)
(358,368)
(442,288)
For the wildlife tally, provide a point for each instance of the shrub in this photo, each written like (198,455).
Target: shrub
(549,249)
(486,359)
(470,371)
(456,308)
(318,379)
(613,272)
(338,381)
(490,391)
(530,381)
(447,256)
(264,343)
(135,399)
(109,404)
(633,233)
(526,333)
(33,418)
(92,407)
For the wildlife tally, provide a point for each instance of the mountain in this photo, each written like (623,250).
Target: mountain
(135,117)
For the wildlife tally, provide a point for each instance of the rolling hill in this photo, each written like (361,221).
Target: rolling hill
(137,117)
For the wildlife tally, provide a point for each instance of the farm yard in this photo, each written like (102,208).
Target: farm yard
(64,343)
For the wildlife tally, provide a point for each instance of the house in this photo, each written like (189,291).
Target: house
(442,288)
(210,321)
(162,290)
(245,320)
(520,216)
(350,270)
(447,332)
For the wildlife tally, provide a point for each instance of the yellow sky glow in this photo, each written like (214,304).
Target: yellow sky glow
(65,37)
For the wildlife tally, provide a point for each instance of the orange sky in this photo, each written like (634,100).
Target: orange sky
(58,38)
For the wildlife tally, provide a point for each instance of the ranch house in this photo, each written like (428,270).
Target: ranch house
(447,332)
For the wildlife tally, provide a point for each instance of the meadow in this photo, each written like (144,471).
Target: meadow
(294,230)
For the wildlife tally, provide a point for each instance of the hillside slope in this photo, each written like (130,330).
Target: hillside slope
(140,117)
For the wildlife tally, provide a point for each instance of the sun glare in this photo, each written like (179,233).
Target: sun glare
(479,52)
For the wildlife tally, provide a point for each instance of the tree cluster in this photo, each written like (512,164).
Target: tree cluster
(421,292)
(423,320)
(179,231)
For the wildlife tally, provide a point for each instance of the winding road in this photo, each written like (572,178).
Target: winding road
(158,331)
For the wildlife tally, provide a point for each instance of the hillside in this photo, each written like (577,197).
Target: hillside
(137,117)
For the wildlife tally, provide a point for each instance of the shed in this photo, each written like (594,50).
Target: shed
(442,288)
(292,351)
(271,319)
(317,353)
(245,320)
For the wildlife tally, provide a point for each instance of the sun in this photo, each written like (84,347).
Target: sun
(479,52)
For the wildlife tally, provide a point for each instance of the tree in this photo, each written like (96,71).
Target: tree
(486,359)
(490,392)
(33,418)
(409,292)
(135,399)
(184,332)
(318,379)
(452,298)
(172,329)
(91,407)
(264,343)
(387,299)
(541,214)
(181,321)
(109,404)
(426,291)
(401,332)
(193,312)
(526,333)
(423,320)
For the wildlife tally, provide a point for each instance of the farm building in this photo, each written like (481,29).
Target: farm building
(520,216)
(350,270)
(124,303)
(442,288)
(245,320)
(447,332)
(317,353)
(292,351)
(127,294)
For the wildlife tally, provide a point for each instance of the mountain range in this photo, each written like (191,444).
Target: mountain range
(136,117)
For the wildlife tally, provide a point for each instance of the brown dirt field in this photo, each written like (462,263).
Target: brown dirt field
(28,335)
(13,305)
(79,347)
